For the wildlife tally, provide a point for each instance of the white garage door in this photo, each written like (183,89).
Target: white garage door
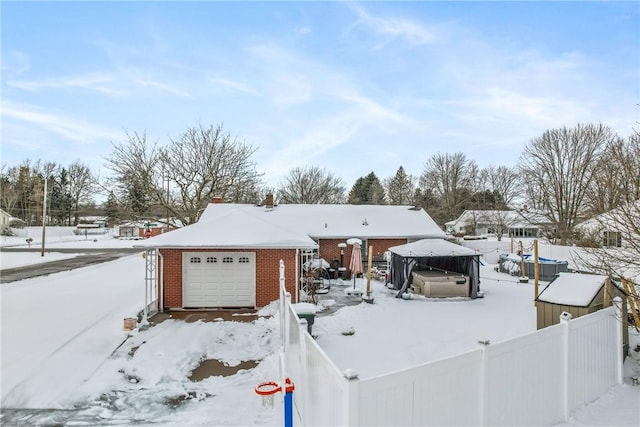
(218,279)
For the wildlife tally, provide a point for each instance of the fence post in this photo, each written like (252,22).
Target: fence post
(484,390)
(282,305)
(304,374)
(351,409)
(617,308)
(565,319)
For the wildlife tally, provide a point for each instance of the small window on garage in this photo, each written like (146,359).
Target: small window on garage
(195,260)
(243,260)
(227,259)
(212,259)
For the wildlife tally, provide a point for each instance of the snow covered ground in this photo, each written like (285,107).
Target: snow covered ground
(22,259)
(66,356)
(63,237)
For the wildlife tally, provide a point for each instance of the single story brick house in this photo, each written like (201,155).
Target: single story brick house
(230,257)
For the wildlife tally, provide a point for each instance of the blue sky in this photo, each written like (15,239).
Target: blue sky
(352,87)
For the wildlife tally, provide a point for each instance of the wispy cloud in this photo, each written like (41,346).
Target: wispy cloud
(98,82)
(119,83)
(69,128)
(234,85)
(162,87)
(393,27)
(15,63)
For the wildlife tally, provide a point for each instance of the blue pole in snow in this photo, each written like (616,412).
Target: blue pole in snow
(288,403)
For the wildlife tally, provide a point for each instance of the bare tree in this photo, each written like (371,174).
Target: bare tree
(137,174)
(400,188)
(311,185)
(81,185)
(558,168)
(9,194)
(617,177)
(451,178)
(500,222)
(179,179)
(501,180)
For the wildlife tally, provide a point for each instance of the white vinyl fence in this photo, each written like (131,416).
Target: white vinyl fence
(535,379)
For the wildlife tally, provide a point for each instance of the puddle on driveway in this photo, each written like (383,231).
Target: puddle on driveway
(191,316)
(214,367)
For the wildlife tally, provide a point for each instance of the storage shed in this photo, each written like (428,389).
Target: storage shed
(578,294)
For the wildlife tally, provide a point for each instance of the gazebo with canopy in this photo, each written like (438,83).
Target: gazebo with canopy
(436,254)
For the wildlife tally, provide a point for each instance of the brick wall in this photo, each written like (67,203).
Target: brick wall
(267,273)
(329,249)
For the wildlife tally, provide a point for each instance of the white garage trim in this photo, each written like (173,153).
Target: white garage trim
(218,279)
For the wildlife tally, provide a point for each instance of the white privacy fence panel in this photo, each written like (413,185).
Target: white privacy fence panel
(326,388)
(441,393)
(320,395)
(524,379)
(592,364)
(293,352)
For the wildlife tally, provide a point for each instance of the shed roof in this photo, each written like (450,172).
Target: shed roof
(573,289)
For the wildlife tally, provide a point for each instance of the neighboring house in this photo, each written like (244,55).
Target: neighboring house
(230,257)
(510,223)
(612,229)
(144,229)
(101,221)
(7,221)
(91,225)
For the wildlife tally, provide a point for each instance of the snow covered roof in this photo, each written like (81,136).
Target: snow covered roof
(242,225)
(611,219)
(233,229)
(431,248)
(511,218)
(340,221)
(573,289)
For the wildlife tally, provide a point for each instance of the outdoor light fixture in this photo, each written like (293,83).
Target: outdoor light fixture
(342,246)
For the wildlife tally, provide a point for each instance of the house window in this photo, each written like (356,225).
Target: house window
(612,239)
(243,260)
(523,232)
(195,260)
(227,259)
(211,259)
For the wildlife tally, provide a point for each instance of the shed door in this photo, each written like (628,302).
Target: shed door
(218,279)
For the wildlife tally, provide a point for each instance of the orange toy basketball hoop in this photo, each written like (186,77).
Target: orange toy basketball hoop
(267,390)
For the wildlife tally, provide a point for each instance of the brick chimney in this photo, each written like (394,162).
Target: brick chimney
(216,199)
(269,202)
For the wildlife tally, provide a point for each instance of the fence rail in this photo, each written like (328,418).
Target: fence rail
(535,379)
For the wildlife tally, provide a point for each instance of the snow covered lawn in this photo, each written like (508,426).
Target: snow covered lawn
(57,329)
(393,333)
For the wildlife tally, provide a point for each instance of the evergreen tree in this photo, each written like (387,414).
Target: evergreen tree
(400,188)
(367,191)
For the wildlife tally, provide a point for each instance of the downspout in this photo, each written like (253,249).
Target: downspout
(161,296)
(297,272)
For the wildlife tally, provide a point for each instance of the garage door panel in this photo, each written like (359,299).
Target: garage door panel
(219,279)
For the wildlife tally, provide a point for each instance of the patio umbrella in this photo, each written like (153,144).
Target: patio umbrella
(355,265)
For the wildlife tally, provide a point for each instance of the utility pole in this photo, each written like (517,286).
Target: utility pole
(44,215)
(536,272)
